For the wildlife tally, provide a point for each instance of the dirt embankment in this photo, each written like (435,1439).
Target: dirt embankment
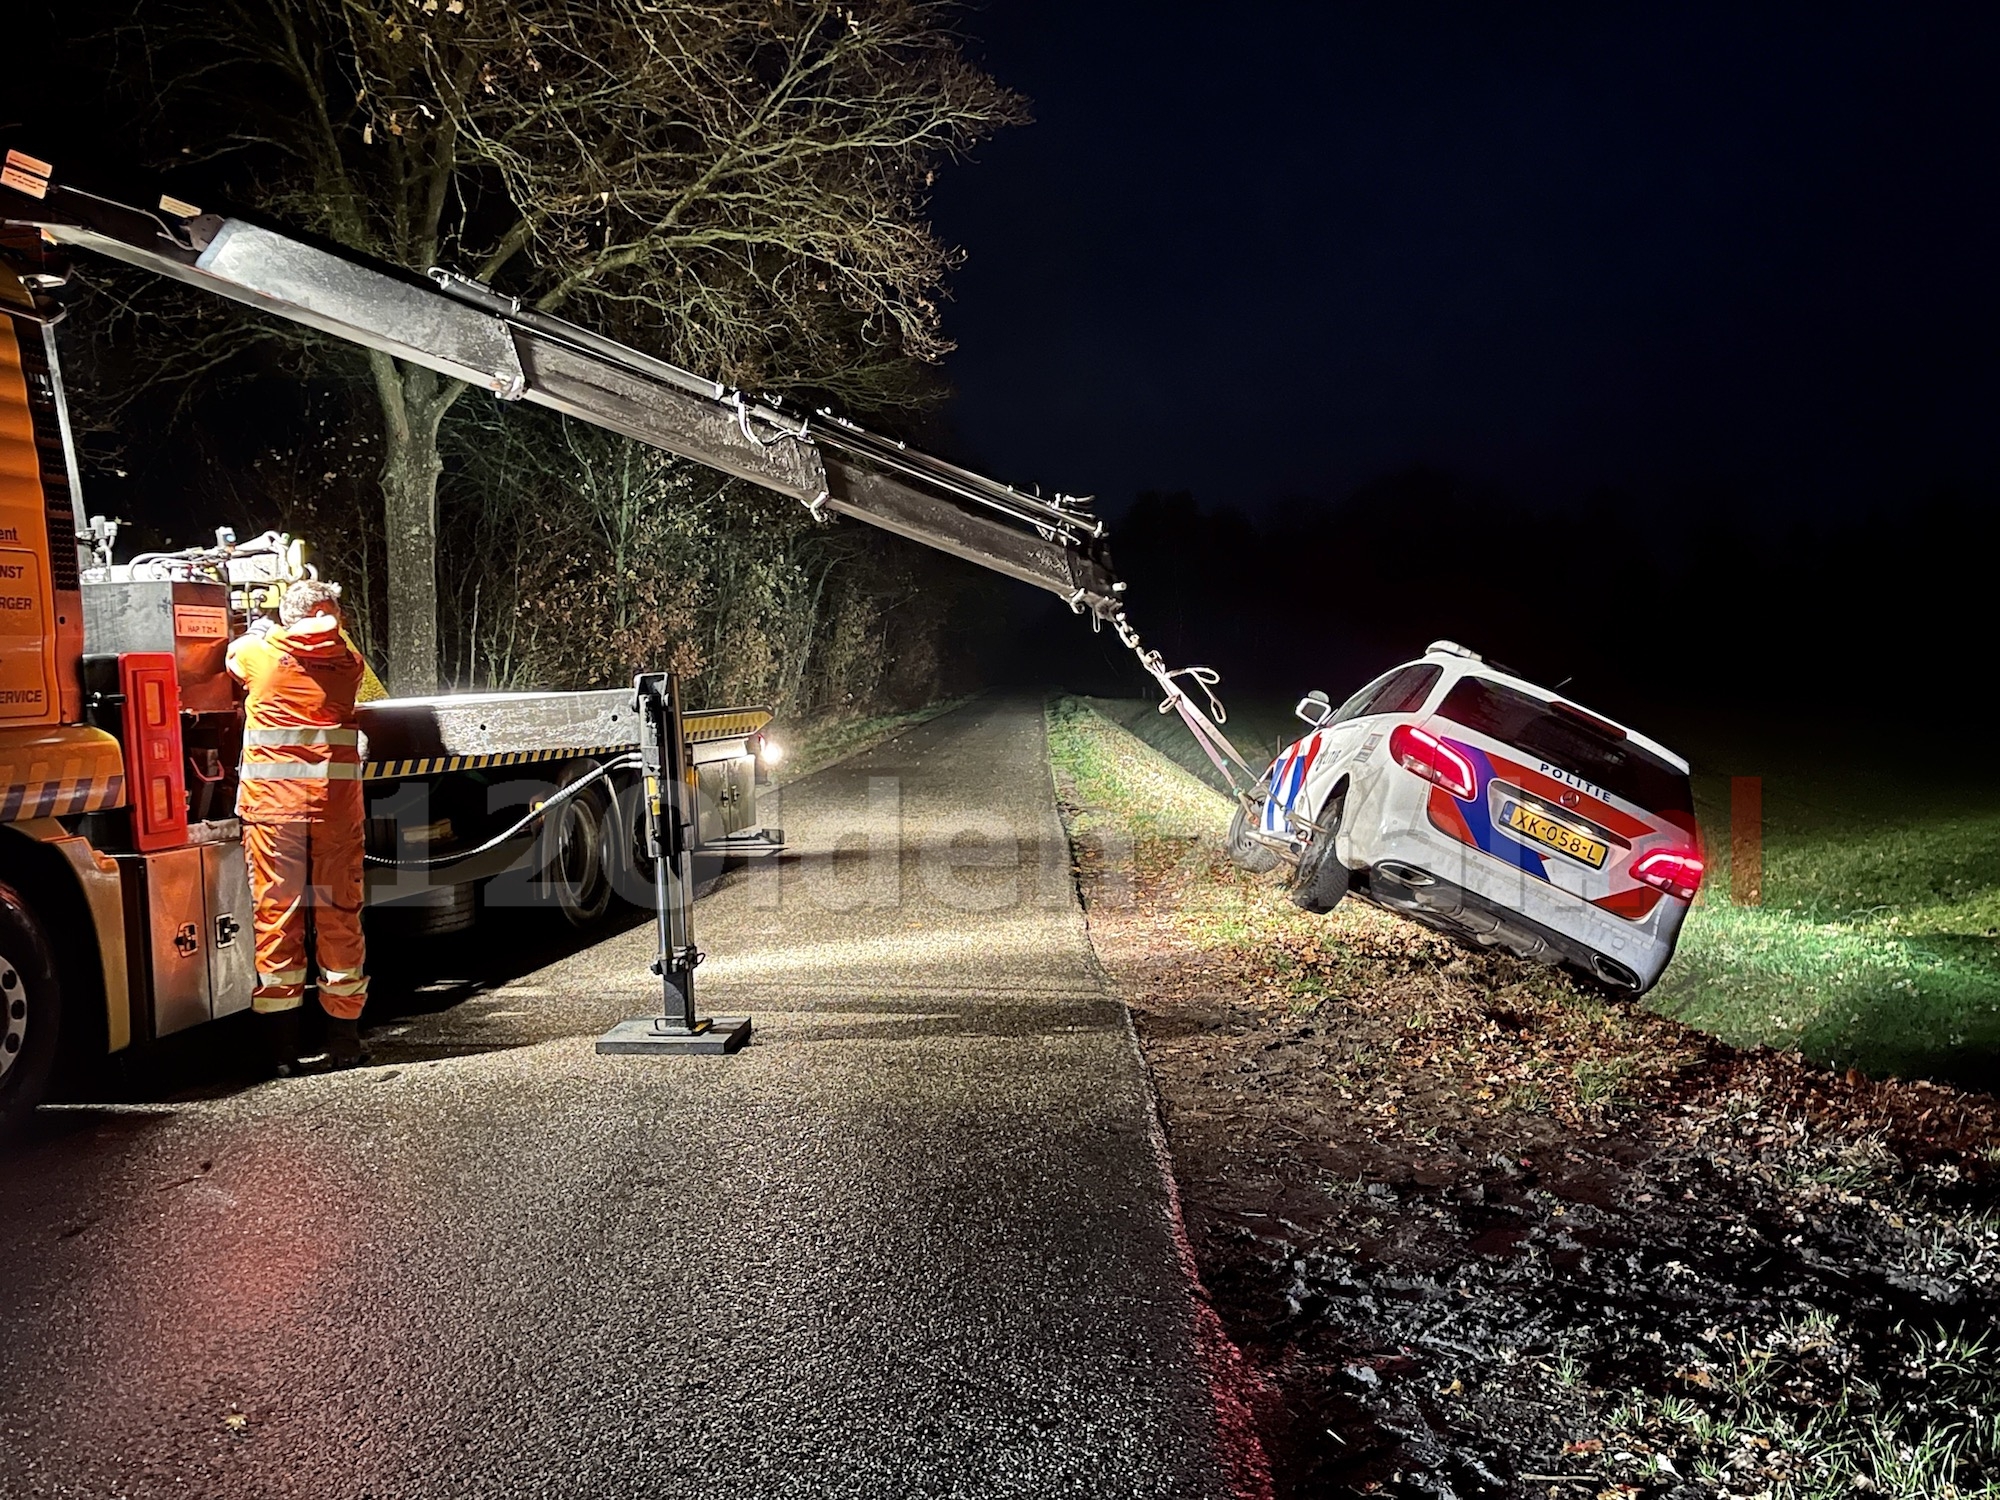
(1479,1232)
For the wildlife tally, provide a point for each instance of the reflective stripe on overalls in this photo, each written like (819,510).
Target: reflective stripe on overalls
(301,753)
(312,736)
(325,770)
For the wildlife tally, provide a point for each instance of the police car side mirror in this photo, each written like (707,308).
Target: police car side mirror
(1314,708)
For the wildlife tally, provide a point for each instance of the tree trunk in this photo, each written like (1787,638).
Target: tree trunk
(414,402)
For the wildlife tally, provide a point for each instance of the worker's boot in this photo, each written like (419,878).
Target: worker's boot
(343,1043)
(279,1030)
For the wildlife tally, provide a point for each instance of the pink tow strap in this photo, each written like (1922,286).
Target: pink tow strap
(1206,731)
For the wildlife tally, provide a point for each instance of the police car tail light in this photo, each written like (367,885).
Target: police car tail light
(1675,871)
(1420,751)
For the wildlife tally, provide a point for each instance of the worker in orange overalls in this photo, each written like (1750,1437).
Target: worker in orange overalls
(300,804)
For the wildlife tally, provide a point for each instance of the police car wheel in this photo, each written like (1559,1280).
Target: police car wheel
(30,1010)
(1245,851)
(1321,879)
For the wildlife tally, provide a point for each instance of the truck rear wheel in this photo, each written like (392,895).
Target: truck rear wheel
(576,867)
(30,1010)
(632,871)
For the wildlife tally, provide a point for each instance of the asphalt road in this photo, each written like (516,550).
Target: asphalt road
(914,1241)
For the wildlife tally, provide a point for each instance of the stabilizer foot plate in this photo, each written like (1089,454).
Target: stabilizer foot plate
(645,1036)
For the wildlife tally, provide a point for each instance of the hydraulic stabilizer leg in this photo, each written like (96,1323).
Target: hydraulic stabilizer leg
(669,844)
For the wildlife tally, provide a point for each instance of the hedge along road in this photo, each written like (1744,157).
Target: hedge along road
(915,1240)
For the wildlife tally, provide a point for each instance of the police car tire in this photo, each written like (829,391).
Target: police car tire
(1321,879)
(30,1011)
(1245,851)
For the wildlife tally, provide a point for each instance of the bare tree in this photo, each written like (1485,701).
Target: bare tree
(738,184)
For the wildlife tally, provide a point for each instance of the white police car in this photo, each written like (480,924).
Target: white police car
(1488,809)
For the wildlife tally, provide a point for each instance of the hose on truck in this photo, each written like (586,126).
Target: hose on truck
(534,815)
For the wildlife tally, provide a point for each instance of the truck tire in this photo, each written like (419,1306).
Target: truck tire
(576,863)
(1321,879)
(1244,851)
(30,1011)
(625,833)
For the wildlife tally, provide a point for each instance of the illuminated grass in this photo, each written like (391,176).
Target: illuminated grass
(1116,778)
(1878,942)
(1258,728)
(1940,1442)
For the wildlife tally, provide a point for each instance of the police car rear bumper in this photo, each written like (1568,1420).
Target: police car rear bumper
(1429,898)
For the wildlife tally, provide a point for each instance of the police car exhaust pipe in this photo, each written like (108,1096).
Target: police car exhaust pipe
(1614,973)
(1404,874)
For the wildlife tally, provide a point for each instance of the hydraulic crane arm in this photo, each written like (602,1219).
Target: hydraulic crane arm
(470,332)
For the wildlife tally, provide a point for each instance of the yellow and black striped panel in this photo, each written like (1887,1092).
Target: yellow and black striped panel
(436,765)
(724,723)
(702,728)
(58,771)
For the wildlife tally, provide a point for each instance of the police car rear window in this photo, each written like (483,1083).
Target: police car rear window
(1528,724)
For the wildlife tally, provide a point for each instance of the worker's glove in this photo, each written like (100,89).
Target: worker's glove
(262,626)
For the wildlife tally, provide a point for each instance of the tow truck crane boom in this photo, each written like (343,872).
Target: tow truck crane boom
(468,331)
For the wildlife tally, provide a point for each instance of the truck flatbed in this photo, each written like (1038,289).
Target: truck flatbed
(402,737)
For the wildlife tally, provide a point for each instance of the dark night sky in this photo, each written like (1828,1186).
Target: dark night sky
(1275,250)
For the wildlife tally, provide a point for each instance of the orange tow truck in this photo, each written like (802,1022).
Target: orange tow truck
(124,896)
